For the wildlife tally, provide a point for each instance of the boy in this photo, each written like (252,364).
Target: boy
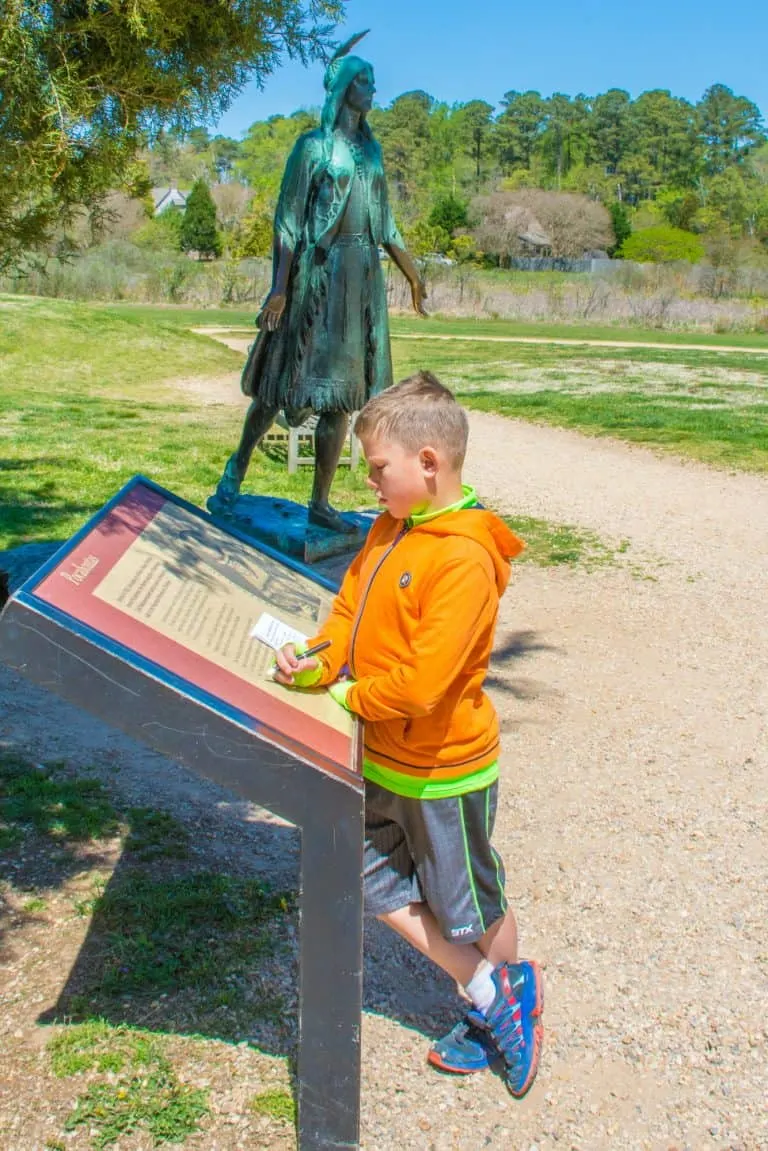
(411,633)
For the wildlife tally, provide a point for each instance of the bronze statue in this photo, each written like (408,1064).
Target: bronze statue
(323,344)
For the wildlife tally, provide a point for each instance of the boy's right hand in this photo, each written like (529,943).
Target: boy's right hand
(293,671)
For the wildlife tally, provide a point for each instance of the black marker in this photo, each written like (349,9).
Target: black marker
(314,650)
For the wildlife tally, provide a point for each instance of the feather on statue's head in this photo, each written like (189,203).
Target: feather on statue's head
(341,71)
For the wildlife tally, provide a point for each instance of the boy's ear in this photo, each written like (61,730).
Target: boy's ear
(428,458)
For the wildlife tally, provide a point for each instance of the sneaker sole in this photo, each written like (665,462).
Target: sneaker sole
(539,1006)
(435,1061)
(538,1040)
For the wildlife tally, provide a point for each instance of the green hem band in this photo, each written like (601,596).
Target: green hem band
(414,788)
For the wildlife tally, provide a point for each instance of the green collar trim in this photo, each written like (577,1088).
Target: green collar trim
(468,500)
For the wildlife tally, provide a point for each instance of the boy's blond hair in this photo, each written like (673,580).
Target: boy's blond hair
(417,412)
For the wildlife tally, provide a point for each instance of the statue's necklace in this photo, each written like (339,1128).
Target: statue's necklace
(358,155)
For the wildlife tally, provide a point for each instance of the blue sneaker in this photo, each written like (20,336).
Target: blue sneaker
(463,1050)
(512,1023)
(471,1045)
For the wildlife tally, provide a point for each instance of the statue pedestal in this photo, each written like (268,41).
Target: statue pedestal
(284,526)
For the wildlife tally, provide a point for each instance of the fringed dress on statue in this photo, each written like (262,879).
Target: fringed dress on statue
(331,350)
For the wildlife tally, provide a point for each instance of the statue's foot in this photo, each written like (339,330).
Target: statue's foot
(324,516)
(223,500)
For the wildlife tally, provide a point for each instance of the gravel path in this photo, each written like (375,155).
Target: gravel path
(634,702)
(566,341)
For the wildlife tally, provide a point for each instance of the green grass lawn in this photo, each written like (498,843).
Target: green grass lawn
(92,394)
(173,950)
(88,400)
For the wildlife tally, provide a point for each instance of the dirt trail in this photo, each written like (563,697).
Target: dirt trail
(239,343)
(634,703)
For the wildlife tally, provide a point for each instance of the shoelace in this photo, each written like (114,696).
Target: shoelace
(507,1029)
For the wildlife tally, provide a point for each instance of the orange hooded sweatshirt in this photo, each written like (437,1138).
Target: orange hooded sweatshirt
(413,622)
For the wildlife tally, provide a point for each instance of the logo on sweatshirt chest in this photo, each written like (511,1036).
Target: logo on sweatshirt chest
(405,579)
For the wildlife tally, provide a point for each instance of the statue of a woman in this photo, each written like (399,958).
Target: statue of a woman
(323,344)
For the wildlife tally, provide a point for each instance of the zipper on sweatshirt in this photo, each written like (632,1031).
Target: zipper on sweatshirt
(364,597)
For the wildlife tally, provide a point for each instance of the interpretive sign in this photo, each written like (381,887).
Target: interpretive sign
(145,618)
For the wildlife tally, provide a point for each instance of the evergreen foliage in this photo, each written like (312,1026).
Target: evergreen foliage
(622,228)
(449,214)
(83,84)
(198,226)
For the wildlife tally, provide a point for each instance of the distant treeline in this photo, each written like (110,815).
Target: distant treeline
(700,167)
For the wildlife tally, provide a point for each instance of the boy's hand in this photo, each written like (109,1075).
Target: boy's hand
(292,670)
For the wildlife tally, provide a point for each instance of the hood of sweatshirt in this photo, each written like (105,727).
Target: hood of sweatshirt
(485,528)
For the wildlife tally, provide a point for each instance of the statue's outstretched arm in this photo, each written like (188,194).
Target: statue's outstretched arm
(406,265)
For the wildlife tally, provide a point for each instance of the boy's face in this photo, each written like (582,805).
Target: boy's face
(403,480)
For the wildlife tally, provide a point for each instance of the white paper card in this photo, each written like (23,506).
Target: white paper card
(274,633)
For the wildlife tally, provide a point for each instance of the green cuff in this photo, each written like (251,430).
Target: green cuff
(311,676)
(340,690)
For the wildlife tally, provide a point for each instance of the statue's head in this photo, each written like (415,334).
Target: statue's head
(359,94)
(348,80)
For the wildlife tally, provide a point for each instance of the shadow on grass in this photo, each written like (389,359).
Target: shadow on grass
(175,950)
(31,509)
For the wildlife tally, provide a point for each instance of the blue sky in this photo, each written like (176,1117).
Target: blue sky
(460,51)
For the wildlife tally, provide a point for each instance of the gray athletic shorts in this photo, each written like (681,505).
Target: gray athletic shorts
(438,852)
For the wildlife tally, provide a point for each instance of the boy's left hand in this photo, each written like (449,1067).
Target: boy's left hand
(339,690)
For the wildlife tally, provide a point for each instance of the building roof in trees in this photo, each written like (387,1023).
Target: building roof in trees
(163,198)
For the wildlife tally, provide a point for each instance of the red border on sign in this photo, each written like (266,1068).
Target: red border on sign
(107,543)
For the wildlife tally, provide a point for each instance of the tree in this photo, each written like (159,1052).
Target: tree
(198,227)
(448,213)
(224,151)
(403,131)
(253,236)
(732,202)
(609,128)
(680,206)
(662,245)
(162,233)
(665,149)
(474,123)
(265,149)
(622,227)
(568,225)
(564,140)
(730,125)
(519,127)
(83,84)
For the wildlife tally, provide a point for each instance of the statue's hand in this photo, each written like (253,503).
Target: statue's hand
(418,296)
(272,312)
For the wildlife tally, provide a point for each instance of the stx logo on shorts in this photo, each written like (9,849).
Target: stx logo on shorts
(457,932)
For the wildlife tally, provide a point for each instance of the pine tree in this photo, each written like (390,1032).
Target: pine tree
(198,228)
(622,228)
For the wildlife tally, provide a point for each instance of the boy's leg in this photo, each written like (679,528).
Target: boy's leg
(499,944)
(504,1022)
(418,926)
(464,926)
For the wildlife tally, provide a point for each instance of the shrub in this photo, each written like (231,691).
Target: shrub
(662,244)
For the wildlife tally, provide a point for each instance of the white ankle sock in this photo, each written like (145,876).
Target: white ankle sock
(481,989)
